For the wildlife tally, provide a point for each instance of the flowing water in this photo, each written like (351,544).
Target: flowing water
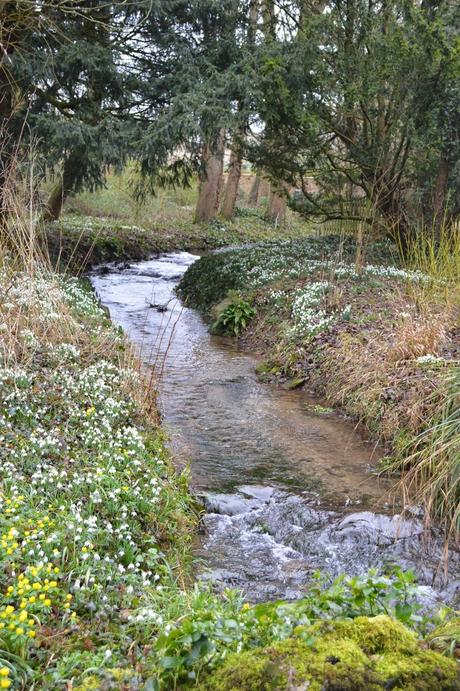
(286,491)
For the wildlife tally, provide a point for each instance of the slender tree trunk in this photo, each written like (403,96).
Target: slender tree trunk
(55,202)
(61,190)
(6,146)
(359,257)
(440,190)
(210,186)
(254,192)
(233,181)
(276,210)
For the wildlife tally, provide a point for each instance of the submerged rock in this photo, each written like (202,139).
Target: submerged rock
(366,654)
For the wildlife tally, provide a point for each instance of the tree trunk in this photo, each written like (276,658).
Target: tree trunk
(61,190)
(359,257)
(254,192)
(276,210)
(233,181)
(440,190)
(6,144)
(210,187)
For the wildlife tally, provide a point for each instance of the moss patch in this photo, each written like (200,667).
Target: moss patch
(365,654)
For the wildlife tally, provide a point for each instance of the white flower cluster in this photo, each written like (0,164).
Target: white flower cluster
(309,317)
(72,464)
(265,262)
(430,360)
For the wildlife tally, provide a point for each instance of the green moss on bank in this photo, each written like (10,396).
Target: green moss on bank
(366,654)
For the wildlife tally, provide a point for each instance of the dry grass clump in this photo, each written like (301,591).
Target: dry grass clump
(374,375)
(430,466)
(418,336)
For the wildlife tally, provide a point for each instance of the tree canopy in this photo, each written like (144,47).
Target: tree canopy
(362,95)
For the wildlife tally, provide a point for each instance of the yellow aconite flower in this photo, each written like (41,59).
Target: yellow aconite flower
(4,671)
(5,683)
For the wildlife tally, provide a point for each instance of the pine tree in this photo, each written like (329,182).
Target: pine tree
(73,92)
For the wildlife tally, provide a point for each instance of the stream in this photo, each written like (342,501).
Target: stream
(286,491)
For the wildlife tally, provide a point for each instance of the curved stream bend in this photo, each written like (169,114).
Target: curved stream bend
(287,492)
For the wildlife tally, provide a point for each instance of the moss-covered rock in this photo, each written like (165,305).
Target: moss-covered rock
(374,635)
(366,654)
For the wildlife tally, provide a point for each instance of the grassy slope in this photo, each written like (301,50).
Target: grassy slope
(95,524)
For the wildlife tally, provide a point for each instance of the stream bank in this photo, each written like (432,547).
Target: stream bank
(378,341)
(287,491)
(77,242)
(95,583)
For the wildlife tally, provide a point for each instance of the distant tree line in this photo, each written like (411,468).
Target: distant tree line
(363,95)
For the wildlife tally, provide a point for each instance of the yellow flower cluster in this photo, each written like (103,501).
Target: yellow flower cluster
(5,682)
(17,623)
(9,541)
(12,505)
(31,593)
(16,539)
